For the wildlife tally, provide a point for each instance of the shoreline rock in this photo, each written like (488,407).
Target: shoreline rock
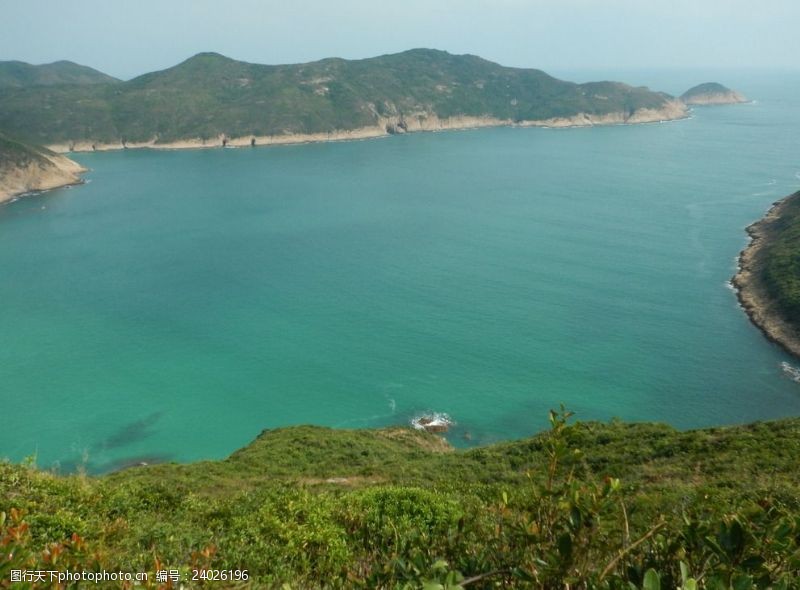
(434,423)
(718,99)
(412,123)
(750,292)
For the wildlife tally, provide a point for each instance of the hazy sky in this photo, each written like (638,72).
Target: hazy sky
(127,38)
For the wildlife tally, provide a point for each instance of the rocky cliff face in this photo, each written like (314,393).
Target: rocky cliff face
(760,302)
(712,93)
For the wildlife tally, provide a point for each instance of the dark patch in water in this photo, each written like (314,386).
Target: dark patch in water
(133,432)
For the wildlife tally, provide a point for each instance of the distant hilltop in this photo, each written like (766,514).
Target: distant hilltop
(211,99)
(711,93)
(18,74)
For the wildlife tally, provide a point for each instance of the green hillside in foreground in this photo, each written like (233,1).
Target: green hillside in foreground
(210,95)
(18,74)
(586,505)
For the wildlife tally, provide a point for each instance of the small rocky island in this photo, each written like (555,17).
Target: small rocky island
(712,93)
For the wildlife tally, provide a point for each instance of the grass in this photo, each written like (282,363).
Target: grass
(16,154)
(589,504)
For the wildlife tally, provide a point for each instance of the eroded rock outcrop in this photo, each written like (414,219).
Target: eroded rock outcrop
(25,168)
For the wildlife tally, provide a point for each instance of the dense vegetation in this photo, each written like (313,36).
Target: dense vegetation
(780,260)
(18,74)
(704,90)
(210,95)
(586,505)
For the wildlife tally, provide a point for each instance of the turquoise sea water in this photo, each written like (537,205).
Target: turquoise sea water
(183,301)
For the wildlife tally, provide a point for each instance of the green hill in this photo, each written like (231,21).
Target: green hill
(312,507)
(210,95)
(18,74)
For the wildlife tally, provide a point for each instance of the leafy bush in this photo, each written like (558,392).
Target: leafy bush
(555,516)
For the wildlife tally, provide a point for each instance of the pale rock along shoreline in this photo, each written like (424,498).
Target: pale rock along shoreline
(48,172)
(753,297)
(672,110)
(717,98)
(61,171)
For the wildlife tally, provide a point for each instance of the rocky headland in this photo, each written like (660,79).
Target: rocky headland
(764,281)
(26,168)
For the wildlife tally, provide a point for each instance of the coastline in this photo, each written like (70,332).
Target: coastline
(718,99)
(50,172)
(59,171)
(750,292)
(415,122)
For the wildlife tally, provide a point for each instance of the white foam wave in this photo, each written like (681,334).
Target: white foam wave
(432,421)
(791,372)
